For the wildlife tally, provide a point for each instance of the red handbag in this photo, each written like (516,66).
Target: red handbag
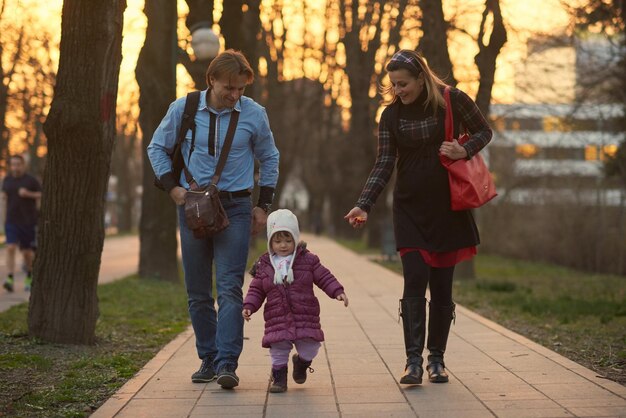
(471,185)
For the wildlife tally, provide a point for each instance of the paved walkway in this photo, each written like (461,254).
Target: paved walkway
(494,372)
(119,259)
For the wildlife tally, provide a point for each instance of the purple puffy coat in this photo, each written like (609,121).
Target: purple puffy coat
(292,311)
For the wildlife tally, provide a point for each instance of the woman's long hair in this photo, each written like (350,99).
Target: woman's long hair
(416,65)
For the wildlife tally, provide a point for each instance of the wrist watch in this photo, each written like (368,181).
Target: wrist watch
(266,207)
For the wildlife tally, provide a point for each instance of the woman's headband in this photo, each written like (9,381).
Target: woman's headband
(403,59)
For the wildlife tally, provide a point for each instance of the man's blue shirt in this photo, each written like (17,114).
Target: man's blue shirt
(253,139)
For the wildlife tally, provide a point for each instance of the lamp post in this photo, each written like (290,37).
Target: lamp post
(206,45)
(204,41)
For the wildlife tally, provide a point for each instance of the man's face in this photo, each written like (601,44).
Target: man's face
(17,167)
(227,90)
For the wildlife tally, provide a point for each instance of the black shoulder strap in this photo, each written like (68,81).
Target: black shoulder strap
(228,142)
(188,121)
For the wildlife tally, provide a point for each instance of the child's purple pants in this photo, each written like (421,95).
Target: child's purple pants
(307,349)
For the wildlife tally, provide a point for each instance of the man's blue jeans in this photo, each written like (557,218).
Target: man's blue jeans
(219,335)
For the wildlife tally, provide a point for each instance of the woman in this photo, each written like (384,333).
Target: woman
(430,237)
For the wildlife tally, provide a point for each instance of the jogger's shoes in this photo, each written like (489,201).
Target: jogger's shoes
(8,284)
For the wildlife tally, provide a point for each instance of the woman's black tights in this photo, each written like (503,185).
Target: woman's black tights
(418,275)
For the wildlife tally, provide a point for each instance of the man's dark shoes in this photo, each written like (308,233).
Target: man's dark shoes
(299,369)
(437,372)
(279,380)
(226,377)
(206,373)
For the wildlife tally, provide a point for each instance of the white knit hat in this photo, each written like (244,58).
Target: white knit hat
(282,220)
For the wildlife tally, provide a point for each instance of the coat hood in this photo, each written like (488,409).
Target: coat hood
(282,220)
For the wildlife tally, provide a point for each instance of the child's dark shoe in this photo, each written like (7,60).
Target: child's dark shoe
(279,380)
(299,369)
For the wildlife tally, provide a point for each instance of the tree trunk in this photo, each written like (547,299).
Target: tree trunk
(434,42)
(486,62)
(240,24)
(80,130)
(230,24)
(123,157)
(488,54)
(6,78)
(200,14)
(4,96)
(156,76)
(360,69)
(251,47)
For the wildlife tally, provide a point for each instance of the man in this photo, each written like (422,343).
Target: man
(20,192)
(219,338)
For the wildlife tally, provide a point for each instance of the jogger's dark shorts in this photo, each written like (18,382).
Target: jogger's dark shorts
(24,235)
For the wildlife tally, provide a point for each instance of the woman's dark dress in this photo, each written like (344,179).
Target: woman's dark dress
(421,204)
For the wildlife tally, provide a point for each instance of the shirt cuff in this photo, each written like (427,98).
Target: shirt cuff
(363,205)
(168,181)
(266,195)
(468,150)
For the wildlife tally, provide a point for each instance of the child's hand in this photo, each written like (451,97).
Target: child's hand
(344,298)
(246,313)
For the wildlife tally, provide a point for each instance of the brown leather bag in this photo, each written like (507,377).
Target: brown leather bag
(204,213)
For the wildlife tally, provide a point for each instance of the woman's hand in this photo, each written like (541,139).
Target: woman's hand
(178,195)
(356,217)
(344,298)
(453,150)
(246,313)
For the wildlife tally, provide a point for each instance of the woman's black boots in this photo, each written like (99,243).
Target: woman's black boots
(439,320)
(413,312)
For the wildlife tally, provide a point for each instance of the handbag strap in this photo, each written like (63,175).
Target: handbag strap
(228,142)
(449,123)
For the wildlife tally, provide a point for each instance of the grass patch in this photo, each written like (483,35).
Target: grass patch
(580,315)
(137,318)
(577,314)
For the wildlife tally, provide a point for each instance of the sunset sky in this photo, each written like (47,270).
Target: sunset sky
(523,18)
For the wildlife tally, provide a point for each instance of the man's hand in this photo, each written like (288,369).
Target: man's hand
(178,195)
(453,150)
(259,219)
